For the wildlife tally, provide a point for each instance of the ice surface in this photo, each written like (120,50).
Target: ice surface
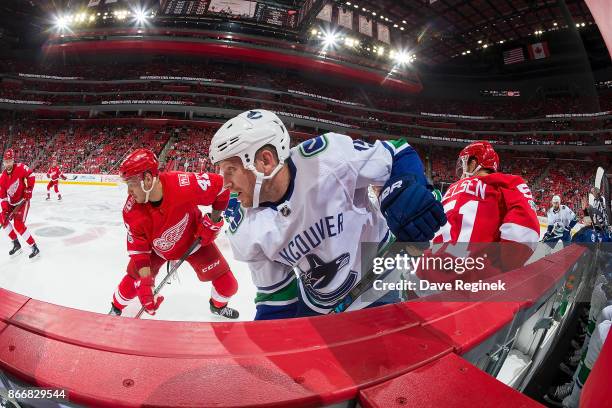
(83,258)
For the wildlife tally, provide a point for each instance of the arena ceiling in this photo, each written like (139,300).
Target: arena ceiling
(443,29)
(440,30)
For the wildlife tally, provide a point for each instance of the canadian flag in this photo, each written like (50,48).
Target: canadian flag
(539,50)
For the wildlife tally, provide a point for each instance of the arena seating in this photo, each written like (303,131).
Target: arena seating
(359,102)
(97,147)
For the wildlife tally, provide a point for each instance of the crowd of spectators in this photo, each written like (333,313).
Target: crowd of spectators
(547,175)
(361,106)
(95,147)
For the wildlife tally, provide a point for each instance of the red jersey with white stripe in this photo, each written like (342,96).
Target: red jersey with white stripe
(55,173)
(13,185)
(169,228)
(493,208)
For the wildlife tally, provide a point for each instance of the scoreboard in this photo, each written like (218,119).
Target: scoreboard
(184,7)
(500,93)
(277,16)
(239,9)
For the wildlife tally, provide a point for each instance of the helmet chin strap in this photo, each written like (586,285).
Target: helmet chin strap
(147,192)
(259,178)
(464,166)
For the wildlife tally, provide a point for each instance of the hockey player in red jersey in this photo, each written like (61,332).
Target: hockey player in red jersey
(16,184)
(486,206)
(163,220)
(54,174)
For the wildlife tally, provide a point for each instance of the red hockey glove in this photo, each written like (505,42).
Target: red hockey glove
(27,194)
(144,289)
(208,230)
(4,218)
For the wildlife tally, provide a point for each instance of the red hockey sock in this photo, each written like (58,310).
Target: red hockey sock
(218,304)
(224,287)
(12,234)
(23,231)
(125,292)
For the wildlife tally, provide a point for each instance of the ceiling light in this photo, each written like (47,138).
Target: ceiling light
(140,16)
(61,22)
(479,41)
(329,39)
(402,57)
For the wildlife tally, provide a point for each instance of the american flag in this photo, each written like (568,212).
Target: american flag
(513,56)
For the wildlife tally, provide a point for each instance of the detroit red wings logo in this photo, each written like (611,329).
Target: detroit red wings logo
(171,236)
(13,188)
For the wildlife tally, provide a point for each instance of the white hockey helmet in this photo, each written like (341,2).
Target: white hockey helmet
(243,135)
(556,199)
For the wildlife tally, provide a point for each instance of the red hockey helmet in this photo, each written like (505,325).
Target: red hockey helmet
(9,154)
(137,163)
(484,154)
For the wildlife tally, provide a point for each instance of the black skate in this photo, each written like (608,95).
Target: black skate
(48,197)
(35,251)
(114,311)
(224,311)
(59,197)
(16,248)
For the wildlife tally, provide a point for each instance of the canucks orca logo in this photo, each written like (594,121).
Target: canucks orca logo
(320,274)
(233,214)
(254,114)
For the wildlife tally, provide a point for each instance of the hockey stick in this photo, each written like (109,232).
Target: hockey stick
(600,214)
(599,176)
(604,190)
(172,272)
(367,279)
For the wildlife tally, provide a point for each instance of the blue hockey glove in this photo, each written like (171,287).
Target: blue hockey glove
(412,212)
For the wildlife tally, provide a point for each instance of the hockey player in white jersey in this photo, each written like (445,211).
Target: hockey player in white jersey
(561,220)
(307,210)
